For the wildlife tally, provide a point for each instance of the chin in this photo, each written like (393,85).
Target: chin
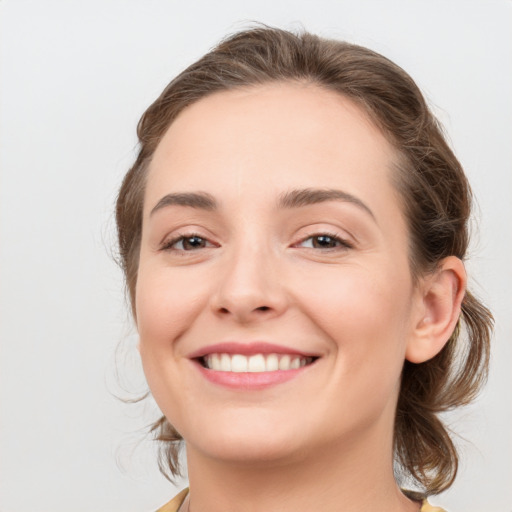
(252,452)
(245,444)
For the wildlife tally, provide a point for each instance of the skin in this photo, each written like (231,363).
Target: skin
(259,272)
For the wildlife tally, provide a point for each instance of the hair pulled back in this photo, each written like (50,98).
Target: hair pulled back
(435,196)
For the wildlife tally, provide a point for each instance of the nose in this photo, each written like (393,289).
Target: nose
(249,288)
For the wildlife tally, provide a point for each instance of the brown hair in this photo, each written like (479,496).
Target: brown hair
(434,191)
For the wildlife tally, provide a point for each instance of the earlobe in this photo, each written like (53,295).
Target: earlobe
(440,299)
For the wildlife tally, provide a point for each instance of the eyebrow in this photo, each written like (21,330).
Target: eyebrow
(200,200)
(308,196)
(292,199)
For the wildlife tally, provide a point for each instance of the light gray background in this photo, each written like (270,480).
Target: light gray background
(75,78)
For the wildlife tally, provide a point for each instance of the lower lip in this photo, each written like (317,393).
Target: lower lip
(249,380)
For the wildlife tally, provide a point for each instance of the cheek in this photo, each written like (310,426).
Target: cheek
(366,319)
(366,314)
(167,303)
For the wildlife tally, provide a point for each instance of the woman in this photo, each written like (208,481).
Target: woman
(292,235)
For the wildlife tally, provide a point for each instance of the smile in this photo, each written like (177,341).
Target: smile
(251,366)
(256,363)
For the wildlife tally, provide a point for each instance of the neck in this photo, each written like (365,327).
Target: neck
(355,478)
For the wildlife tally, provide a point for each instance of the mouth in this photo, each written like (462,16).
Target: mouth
(251,366)
(256,363)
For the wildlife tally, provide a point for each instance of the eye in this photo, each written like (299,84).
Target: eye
(324,241)
(187,243)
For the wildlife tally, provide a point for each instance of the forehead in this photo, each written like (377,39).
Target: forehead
(268,138)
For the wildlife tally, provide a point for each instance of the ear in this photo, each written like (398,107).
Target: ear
(439,302)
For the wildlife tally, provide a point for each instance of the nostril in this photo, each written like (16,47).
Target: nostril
(263,308)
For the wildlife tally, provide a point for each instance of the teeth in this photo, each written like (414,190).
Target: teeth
(272,363)
(295,363)
(284,363)
(225,363)
(215,360)
(238,363)
(256,363)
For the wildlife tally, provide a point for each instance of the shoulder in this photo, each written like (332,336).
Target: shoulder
(427,507)
(421,498)
(175,503)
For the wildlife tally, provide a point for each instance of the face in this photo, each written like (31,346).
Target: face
(274,298)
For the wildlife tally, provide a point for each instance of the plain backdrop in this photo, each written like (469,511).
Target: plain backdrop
(75,77)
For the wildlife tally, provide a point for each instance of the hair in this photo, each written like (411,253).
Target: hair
(435,195)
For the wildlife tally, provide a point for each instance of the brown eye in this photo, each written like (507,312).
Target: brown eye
(186,243)
(192,242)
(325,241)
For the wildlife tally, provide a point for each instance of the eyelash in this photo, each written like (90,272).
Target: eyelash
(342,244)
(168,245)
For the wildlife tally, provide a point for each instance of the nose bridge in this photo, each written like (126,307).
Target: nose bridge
(249,284)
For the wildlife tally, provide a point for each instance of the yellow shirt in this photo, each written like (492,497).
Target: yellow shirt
(176,502)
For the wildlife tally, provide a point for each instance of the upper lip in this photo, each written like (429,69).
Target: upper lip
(248,349)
